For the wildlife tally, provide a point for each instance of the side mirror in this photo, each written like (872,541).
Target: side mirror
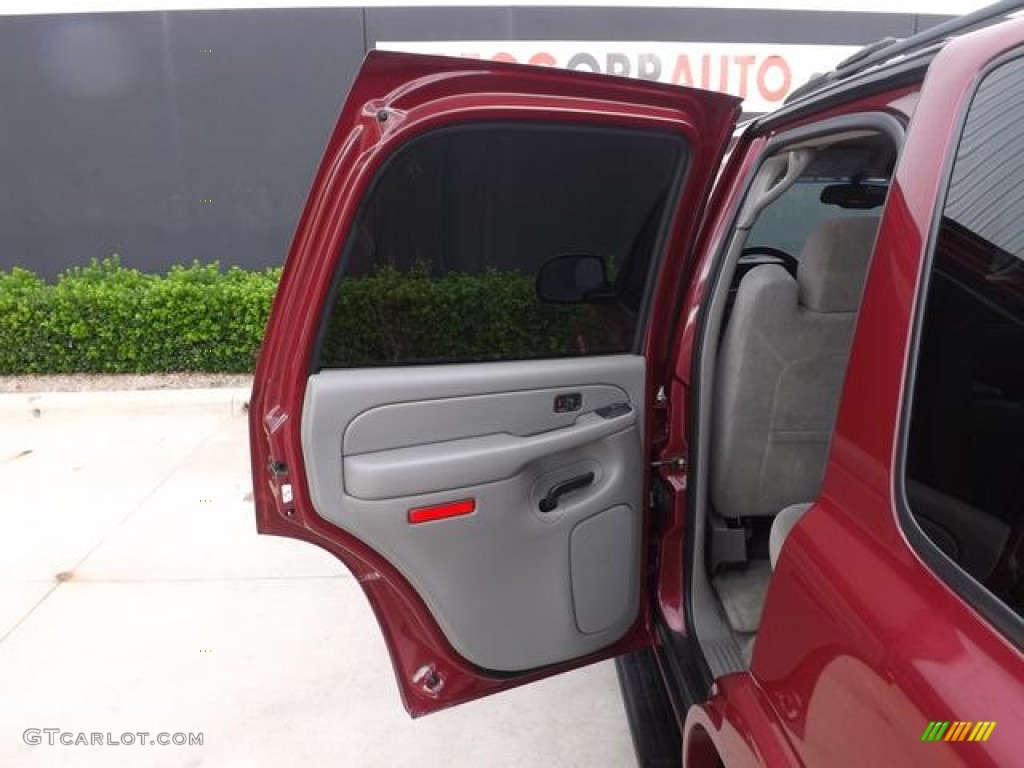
(573,278)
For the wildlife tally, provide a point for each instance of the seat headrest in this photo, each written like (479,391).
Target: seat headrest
(834,263)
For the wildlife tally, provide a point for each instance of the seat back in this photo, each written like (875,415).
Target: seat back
(780,370)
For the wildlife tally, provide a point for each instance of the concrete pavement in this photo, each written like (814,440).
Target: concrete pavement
(135,596)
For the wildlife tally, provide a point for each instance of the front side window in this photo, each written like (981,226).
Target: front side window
(787,223)
(442,262)
(965,459)
(845,179)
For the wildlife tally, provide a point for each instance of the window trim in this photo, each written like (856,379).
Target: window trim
(677,184)
(997,613)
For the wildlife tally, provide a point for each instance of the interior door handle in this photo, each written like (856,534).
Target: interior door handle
(550,501)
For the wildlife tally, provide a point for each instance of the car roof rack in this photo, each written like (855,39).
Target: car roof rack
(890,48)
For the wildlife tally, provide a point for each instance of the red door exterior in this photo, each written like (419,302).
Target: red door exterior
(395,98)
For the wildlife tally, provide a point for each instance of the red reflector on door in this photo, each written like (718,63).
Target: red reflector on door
(441,511)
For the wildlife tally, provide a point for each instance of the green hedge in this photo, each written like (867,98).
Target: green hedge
(390,317)
(106,318)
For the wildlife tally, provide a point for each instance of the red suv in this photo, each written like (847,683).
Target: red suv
(558,385)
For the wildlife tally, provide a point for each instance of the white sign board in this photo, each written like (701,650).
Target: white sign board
(762,74)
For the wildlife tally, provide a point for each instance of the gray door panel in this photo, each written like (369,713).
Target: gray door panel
(441,465)
(450,418)
(512,587)
(601,569)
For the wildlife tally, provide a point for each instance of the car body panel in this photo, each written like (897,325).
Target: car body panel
(861,643)
(736,722)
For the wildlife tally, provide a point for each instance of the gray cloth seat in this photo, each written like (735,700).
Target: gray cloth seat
(781,526)
(780,370)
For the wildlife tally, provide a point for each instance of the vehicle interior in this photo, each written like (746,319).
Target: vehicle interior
(775,345)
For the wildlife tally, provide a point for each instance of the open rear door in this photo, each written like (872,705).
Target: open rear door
(454,395)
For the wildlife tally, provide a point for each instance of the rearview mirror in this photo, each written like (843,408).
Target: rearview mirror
(573,278)
(858,197)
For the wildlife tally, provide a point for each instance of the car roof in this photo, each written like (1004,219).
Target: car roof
(886,63)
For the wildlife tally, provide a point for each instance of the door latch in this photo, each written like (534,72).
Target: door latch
(677,463)
(279,473)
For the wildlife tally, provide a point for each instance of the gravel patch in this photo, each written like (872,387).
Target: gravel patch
(96,382)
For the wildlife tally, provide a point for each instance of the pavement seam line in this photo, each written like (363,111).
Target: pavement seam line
(29,612)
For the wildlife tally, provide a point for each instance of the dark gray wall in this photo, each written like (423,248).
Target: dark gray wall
(115,128)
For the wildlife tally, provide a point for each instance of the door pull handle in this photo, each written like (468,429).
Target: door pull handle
(550,501)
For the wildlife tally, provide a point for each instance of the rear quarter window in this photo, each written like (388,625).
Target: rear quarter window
(965,448)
